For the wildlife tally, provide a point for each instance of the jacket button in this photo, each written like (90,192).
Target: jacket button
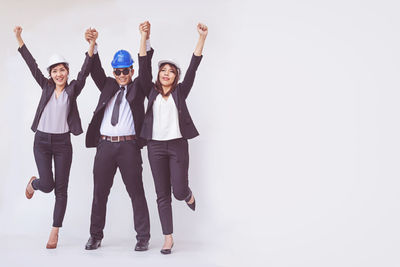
(104,103)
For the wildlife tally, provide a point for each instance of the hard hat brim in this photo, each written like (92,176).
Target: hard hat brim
(172,62)
(168,61)
(57,63)
(121,66)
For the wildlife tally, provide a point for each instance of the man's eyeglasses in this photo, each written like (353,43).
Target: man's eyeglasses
(124,71)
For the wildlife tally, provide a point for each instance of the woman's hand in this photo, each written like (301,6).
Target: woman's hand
(18,31)
(91,35)
(202,29)
(144,29)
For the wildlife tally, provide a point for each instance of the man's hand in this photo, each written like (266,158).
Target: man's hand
(91,35)
(144,29)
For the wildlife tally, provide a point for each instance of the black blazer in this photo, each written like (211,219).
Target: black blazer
(108,87)
(180,93)
(73,89)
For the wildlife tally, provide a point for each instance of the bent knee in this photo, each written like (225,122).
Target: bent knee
(47,188)
(180,195)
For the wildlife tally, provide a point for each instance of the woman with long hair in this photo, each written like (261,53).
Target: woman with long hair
(56,117)
(167,127)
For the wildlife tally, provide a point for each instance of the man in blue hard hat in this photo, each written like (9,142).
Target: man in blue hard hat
(114,131)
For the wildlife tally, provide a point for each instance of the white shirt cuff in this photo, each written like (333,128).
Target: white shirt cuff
(148,45)
(95,49)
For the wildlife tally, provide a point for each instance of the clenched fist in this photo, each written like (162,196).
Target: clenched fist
(18,31)
(202,29)
(144,29)
(91,35)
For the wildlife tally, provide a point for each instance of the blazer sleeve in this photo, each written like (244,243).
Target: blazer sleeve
(97,72)
(33,67)
(83,73)
(187,83)
(145,72)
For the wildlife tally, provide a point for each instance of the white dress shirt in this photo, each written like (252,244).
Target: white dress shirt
(165,119)
(125,125)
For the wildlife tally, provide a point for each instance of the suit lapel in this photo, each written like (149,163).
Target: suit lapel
(131,92)
(105,96)
(176,97)
(68,90)
(153,95)
(49,92)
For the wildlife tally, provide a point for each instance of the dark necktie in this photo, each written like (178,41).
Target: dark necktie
(115,113)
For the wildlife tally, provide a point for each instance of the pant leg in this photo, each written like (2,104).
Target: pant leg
(62,150)
(178,151)
(159,164)
(129,161)
(103,175)
(43,156)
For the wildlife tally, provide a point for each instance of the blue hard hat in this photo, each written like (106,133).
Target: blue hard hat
(122,59)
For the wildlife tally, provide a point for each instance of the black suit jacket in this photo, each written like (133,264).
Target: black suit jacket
(108,87)
(73,89)
(180,93)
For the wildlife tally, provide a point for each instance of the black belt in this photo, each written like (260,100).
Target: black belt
(118,138)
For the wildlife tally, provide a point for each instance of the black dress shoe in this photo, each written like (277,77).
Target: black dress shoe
(166,251)
(142,245)
(93,243)
(193,205)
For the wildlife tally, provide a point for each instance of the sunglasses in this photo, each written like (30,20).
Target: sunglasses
(124,71)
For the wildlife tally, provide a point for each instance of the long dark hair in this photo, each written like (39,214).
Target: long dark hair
(174,84)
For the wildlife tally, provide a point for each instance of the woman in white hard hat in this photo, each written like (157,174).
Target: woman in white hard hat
(56,117)
(167,127)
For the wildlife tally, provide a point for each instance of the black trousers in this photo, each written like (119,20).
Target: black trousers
(127,157)
(57,147)
(169,162)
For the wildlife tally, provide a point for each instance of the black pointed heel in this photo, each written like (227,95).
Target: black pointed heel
(193,205)
(167,251)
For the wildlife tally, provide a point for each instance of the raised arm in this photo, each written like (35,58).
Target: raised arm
(30,61)
(145,55)
(144,29)
(203,31)
(87,64)
(18,31)
(149,50)
(97,72)
(190,74)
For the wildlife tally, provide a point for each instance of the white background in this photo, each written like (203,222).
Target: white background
(297,107)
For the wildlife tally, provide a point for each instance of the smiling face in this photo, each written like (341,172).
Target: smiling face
(167,75)
(59,74)
(124,77)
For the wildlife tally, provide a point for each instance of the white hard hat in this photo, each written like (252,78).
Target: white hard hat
(56,59)
(170,61)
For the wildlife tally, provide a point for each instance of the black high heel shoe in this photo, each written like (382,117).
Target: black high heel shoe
(167,251)
(193,205)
